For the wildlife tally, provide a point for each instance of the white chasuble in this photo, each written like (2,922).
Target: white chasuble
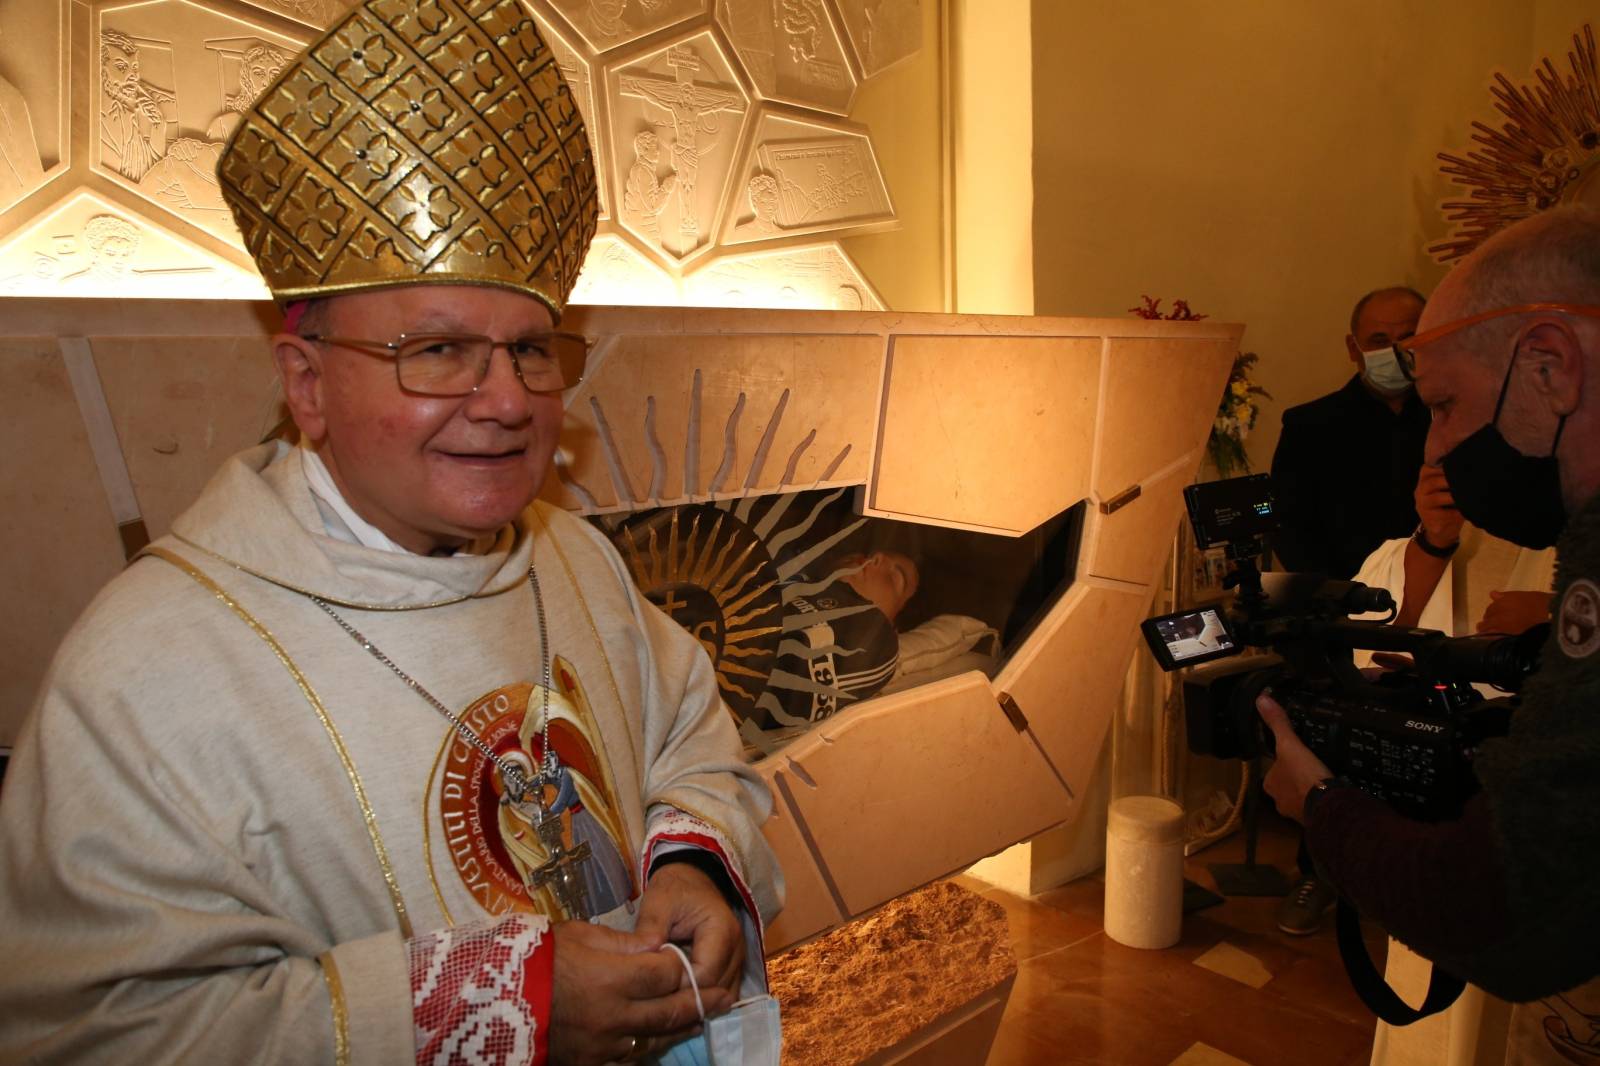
(231,833)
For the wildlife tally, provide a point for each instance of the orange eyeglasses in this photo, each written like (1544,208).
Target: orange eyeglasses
(1405,351)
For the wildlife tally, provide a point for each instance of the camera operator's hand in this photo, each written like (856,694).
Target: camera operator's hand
(1386,661)
(1512,613)
(1296,767)
(1441,521)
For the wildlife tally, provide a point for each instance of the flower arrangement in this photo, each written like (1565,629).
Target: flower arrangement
(1239,407)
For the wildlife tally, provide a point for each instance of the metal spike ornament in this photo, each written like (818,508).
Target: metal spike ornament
(1546,153)
(715,577)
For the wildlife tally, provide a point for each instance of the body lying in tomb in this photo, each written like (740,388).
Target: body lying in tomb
(808,608)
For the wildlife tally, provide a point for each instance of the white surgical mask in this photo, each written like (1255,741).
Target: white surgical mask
(749,1034)
(1383,371)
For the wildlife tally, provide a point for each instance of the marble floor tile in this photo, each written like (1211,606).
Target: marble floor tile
(1202,1055)
(1082,998)
(1234,962)
(1035,929)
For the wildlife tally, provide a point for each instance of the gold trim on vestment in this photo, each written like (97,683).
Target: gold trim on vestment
(367,814)
(341,1011)
(611,677)
(427,828)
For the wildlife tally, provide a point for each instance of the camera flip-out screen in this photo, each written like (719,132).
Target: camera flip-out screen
(1189,637)
(1231,511)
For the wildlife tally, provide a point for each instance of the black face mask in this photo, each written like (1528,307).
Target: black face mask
(1507,494)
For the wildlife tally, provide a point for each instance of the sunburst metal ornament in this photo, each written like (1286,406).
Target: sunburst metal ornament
(1546,153)
(730,572)
(712,575)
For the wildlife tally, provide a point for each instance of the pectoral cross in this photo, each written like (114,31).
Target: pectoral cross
(563,872)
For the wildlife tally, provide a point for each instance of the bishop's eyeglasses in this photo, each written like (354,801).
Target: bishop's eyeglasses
(455,364)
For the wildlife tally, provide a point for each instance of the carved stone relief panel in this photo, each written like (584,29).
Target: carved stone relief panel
(318,14)
(882,32)
(605,24)
(818,276)
(89,246)
(805,177)
(580,75)
(618,273)
(670,91)
(792,51)
(33,96)
(676,118)
(173,81)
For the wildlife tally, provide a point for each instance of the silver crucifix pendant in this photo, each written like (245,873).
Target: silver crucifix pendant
(563,872)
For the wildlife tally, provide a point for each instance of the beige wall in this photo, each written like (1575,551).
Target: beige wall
(1267,161)
(902,107)
(940,122)
(991,119)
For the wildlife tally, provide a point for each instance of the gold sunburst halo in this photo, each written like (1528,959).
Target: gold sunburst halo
(715,577)
(1546,153)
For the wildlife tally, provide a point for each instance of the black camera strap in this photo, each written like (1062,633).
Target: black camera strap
(1369,984)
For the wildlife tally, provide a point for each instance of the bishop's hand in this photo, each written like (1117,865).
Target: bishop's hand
(617,996)
(683,905)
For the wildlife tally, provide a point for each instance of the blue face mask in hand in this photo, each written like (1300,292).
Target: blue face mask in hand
(749,1034)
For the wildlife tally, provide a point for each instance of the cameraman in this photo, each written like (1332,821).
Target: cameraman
(1507,358)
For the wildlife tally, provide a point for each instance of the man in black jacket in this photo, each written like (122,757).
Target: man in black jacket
(1347,463)
(1345,479)
(1507,359)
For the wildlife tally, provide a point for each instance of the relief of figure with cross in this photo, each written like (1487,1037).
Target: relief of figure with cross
(691,107)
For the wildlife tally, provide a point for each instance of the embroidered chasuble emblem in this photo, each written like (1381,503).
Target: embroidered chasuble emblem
(573,861)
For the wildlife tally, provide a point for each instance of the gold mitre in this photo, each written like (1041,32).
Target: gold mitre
(431,141)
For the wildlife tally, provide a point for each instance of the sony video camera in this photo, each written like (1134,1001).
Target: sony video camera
(1407,736)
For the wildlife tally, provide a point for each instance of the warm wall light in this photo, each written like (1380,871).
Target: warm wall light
(809,277)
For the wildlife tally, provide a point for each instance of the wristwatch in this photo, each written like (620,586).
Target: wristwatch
(1421,537)
(1320,789)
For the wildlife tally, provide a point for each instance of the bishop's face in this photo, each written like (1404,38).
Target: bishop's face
(431,471)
